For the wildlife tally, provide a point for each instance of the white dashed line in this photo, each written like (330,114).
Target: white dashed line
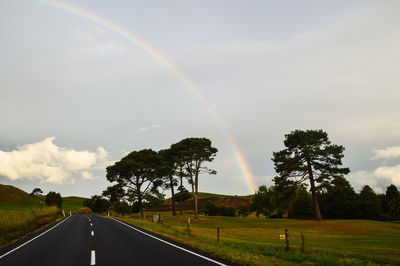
(93,258)
(92,233)
(91,224)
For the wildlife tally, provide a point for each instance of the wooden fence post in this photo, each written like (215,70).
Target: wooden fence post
(287,239)
(302,242)
(188,226)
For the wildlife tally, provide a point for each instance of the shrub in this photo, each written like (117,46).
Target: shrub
(212,210)
(121,207)
(85,210)
(97,203)
(245,211)
(302,207)
(185,195)
(53,199)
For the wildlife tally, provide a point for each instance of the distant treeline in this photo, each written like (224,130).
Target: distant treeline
(337,201)
(310,182)
(310,160)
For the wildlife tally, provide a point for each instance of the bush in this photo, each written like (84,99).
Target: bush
(244,211)
(97,203)
(85,210)
(302,207)
(121,207)
(185,195)
(53,199)
(212,210)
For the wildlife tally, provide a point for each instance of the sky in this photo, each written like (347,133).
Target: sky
(83,83)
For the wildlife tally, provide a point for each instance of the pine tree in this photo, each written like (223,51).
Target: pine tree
(309,157)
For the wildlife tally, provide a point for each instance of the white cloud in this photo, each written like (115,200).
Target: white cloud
(87,175)
(388,153)
(48,162)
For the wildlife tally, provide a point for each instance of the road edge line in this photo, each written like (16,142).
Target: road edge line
(20,246)
(175,246)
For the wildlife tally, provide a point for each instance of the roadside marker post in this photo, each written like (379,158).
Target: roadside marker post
(287,239)
(63,213)
(188,226)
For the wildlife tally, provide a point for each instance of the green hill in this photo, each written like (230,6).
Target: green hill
(15,198)
(72,203)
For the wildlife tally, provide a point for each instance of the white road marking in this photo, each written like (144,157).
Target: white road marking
(93,258)
(166,242)
(91,224)
(34,238)
(92,233)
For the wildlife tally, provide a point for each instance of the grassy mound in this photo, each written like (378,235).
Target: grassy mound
(72,204)
(15,198)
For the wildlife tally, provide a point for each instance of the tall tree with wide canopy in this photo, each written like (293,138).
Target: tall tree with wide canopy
(310,157)
(167,172)
(138,172)
(194,153)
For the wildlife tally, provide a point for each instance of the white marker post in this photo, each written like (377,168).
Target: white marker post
(93,258)
(63,213)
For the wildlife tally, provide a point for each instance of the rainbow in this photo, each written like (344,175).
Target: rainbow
(112,27)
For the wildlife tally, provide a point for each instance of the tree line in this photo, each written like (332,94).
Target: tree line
(138,177)
(311,182)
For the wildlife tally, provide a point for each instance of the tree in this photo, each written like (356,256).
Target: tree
(392,202)
(302,206)
(138,172)
(182,195)
(53,199)
(194,152)
(97,203)
(168,170)
(310,157)
(262,202)
(114,193)
(369,204)
(37,192)
(340,200)
(179,158)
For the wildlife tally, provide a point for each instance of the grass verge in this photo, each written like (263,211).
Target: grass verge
(252,241)
(17,224)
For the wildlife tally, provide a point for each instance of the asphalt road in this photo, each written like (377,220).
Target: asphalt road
(96,240)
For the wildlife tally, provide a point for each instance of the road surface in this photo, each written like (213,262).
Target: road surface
(96,240)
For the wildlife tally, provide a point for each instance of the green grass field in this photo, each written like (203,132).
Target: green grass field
(72,204)
(256,241)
